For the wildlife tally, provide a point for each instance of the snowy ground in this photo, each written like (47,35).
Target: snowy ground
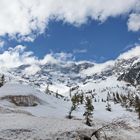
(34,127)
(18,126)
(48,120)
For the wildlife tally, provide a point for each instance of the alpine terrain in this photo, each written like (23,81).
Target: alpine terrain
(70,100)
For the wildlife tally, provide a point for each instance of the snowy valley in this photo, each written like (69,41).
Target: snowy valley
(68,100)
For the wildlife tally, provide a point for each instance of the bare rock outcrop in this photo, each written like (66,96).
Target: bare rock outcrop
(21,100)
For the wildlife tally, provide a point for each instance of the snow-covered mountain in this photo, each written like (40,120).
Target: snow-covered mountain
(45,91)
(132,75)
(63,75)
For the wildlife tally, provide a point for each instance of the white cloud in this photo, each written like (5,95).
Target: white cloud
(134,52)
(18,56)
(97,68)
(31,70)
(63,56)
(80,51)
(134,22)
(49,59)
(15,57)
(24,20)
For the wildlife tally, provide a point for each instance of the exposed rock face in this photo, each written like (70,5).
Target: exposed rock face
(133,75)
(20,100)
(49,73)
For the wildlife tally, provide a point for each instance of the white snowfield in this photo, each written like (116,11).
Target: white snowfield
(50,105)
(48,120)
(43,121)
(22,126)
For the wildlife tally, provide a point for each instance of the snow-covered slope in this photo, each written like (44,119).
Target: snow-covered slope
(67,79)
(48,119)
(63,75)
(47,105)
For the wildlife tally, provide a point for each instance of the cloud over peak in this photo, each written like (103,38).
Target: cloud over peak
(133,52)
(15,57)
(25,20)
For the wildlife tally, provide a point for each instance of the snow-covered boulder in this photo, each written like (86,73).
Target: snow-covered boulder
(21,100)
(20,95)
(23,97)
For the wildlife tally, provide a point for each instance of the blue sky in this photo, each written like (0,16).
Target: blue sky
(92,41)
(89,30)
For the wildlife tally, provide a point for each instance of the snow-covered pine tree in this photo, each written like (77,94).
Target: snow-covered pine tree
(70,92)
(73,107)
(81,98)
(115,98)
(137,105)
(2,80)
(57,94)
(88,110)
(108,107)
(118,97)
(108,96)
(47,91)
(123,100)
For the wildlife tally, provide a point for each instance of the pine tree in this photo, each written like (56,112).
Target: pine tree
(131,100)
(73,107)
(137,105)
(118,97)
(57,94)
(74,99)
(108,96)
(82,98)
(95,100)
(70,93)
(108,107)
(89,110)
(2,80)
(124,99)
(114,98)
(47,91)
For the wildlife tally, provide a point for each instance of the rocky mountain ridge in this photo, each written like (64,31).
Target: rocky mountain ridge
(65,75)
